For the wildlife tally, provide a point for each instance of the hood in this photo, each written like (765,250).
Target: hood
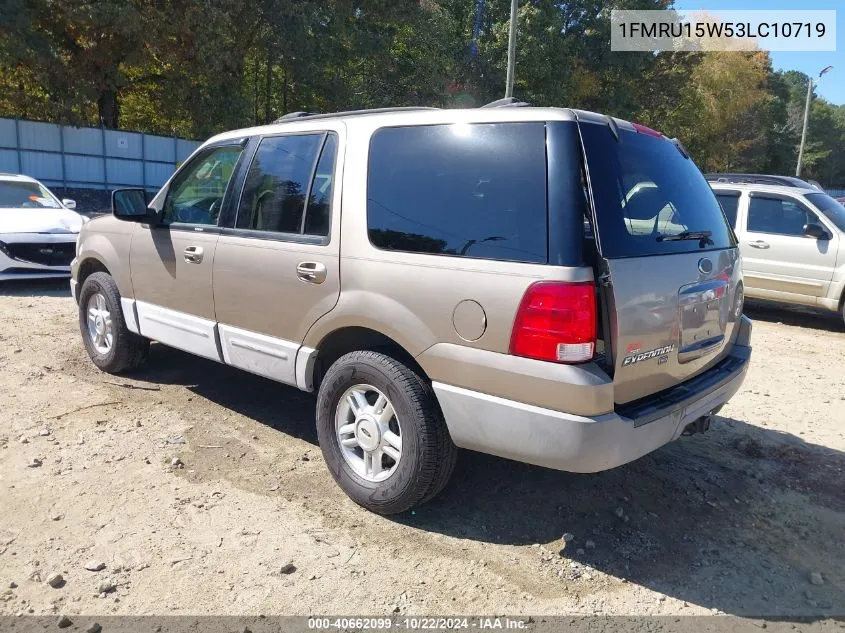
(36,220)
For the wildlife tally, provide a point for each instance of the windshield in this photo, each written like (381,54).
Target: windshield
(833,210)
(649,198)
(19,194)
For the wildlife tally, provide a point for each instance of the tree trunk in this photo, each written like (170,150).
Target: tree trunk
(268,76)
(108,108)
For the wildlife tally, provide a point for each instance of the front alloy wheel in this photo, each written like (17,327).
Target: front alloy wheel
(100,329)
(109,343)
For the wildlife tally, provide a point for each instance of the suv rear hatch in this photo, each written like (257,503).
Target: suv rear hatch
(668,268)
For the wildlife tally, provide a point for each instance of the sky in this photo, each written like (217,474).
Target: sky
(832,85)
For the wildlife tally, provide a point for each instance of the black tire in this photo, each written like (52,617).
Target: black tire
(128,350)
(428,454)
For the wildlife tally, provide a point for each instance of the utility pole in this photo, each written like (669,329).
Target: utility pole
(806,120)
(511,50)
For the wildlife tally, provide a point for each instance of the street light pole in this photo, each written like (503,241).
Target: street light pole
(806,120)
(511,50)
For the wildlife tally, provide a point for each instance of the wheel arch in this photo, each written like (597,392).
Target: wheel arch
(355,338)
(88,267)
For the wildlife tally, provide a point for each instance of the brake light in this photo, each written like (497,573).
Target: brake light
(642,129)
(556,321)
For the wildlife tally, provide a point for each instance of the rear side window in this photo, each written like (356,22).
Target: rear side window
(467,190)
(778,216)
(645,190)
(289,184)
(729,202)
(319,202)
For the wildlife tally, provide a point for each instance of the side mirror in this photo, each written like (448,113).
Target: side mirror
(131,205)
(816,231)
(70,204)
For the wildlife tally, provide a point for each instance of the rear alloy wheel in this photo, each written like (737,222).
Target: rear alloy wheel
(109,343)
(382,433)
(368,433)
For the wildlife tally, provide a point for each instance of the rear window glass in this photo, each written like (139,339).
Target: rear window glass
(469,190)
(729,202)
(833,210)
(645,191)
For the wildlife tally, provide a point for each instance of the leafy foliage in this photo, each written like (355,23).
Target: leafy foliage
(196,67)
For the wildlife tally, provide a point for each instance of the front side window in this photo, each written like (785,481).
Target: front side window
(833,210)
(778,216)
(196,194)
(289,184)
(21,194)
(729,202)
(468,190)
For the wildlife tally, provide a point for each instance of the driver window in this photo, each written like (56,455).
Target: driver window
(778,216)
(196,195)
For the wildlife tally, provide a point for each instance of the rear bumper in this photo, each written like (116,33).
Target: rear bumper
(563,441)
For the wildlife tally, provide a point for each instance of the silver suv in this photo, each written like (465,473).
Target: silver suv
(792,242)
(548,285)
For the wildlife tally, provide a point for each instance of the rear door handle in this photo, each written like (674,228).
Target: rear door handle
(193,254)
(759,244)
(312,272)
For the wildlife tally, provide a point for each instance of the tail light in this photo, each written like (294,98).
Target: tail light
(556,321)
(642,129)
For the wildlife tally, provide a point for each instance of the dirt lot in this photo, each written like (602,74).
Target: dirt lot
(734,521)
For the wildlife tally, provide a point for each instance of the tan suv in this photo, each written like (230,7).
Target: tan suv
(548,285)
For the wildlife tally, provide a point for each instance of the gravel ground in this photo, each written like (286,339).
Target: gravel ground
(193,488)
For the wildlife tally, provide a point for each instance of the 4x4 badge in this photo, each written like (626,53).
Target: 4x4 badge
(636,356)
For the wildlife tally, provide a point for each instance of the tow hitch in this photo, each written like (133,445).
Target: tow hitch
(700,425)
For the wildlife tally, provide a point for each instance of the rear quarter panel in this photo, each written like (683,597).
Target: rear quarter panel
(454,314)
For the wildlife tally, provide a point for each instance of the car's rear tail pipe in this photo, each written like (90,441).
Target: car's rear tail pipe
(700,425)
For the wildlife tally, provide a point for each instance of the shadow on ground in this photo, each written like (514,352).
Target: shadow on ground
(35,288)
(734,520)
(255,397)
(801,316)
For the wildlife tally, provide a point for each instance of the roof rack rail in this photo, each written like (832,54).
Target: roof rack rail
(292,115)
(507,102)
(331,115)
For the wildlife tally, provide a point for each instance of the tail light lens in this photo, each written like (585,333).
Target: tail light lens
(556,321)
(642,129)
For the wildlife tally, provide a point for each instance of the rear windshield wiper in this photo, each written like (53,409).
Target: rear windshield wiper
(702,236)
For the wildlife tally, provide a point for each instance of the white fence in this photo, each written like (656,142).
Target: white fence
(89,158)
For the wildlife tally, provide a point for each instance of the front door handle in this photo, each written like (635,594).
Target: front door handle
(193,254)
(312,272)
(759,244)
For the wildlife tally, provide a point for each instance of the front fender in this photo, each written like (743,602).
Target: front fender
(107,241)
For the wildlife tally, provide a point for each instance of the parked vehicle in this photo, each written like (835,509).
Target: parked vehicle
(791,241)
(765,179)
(37,231)
(840,200)
(441,279)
